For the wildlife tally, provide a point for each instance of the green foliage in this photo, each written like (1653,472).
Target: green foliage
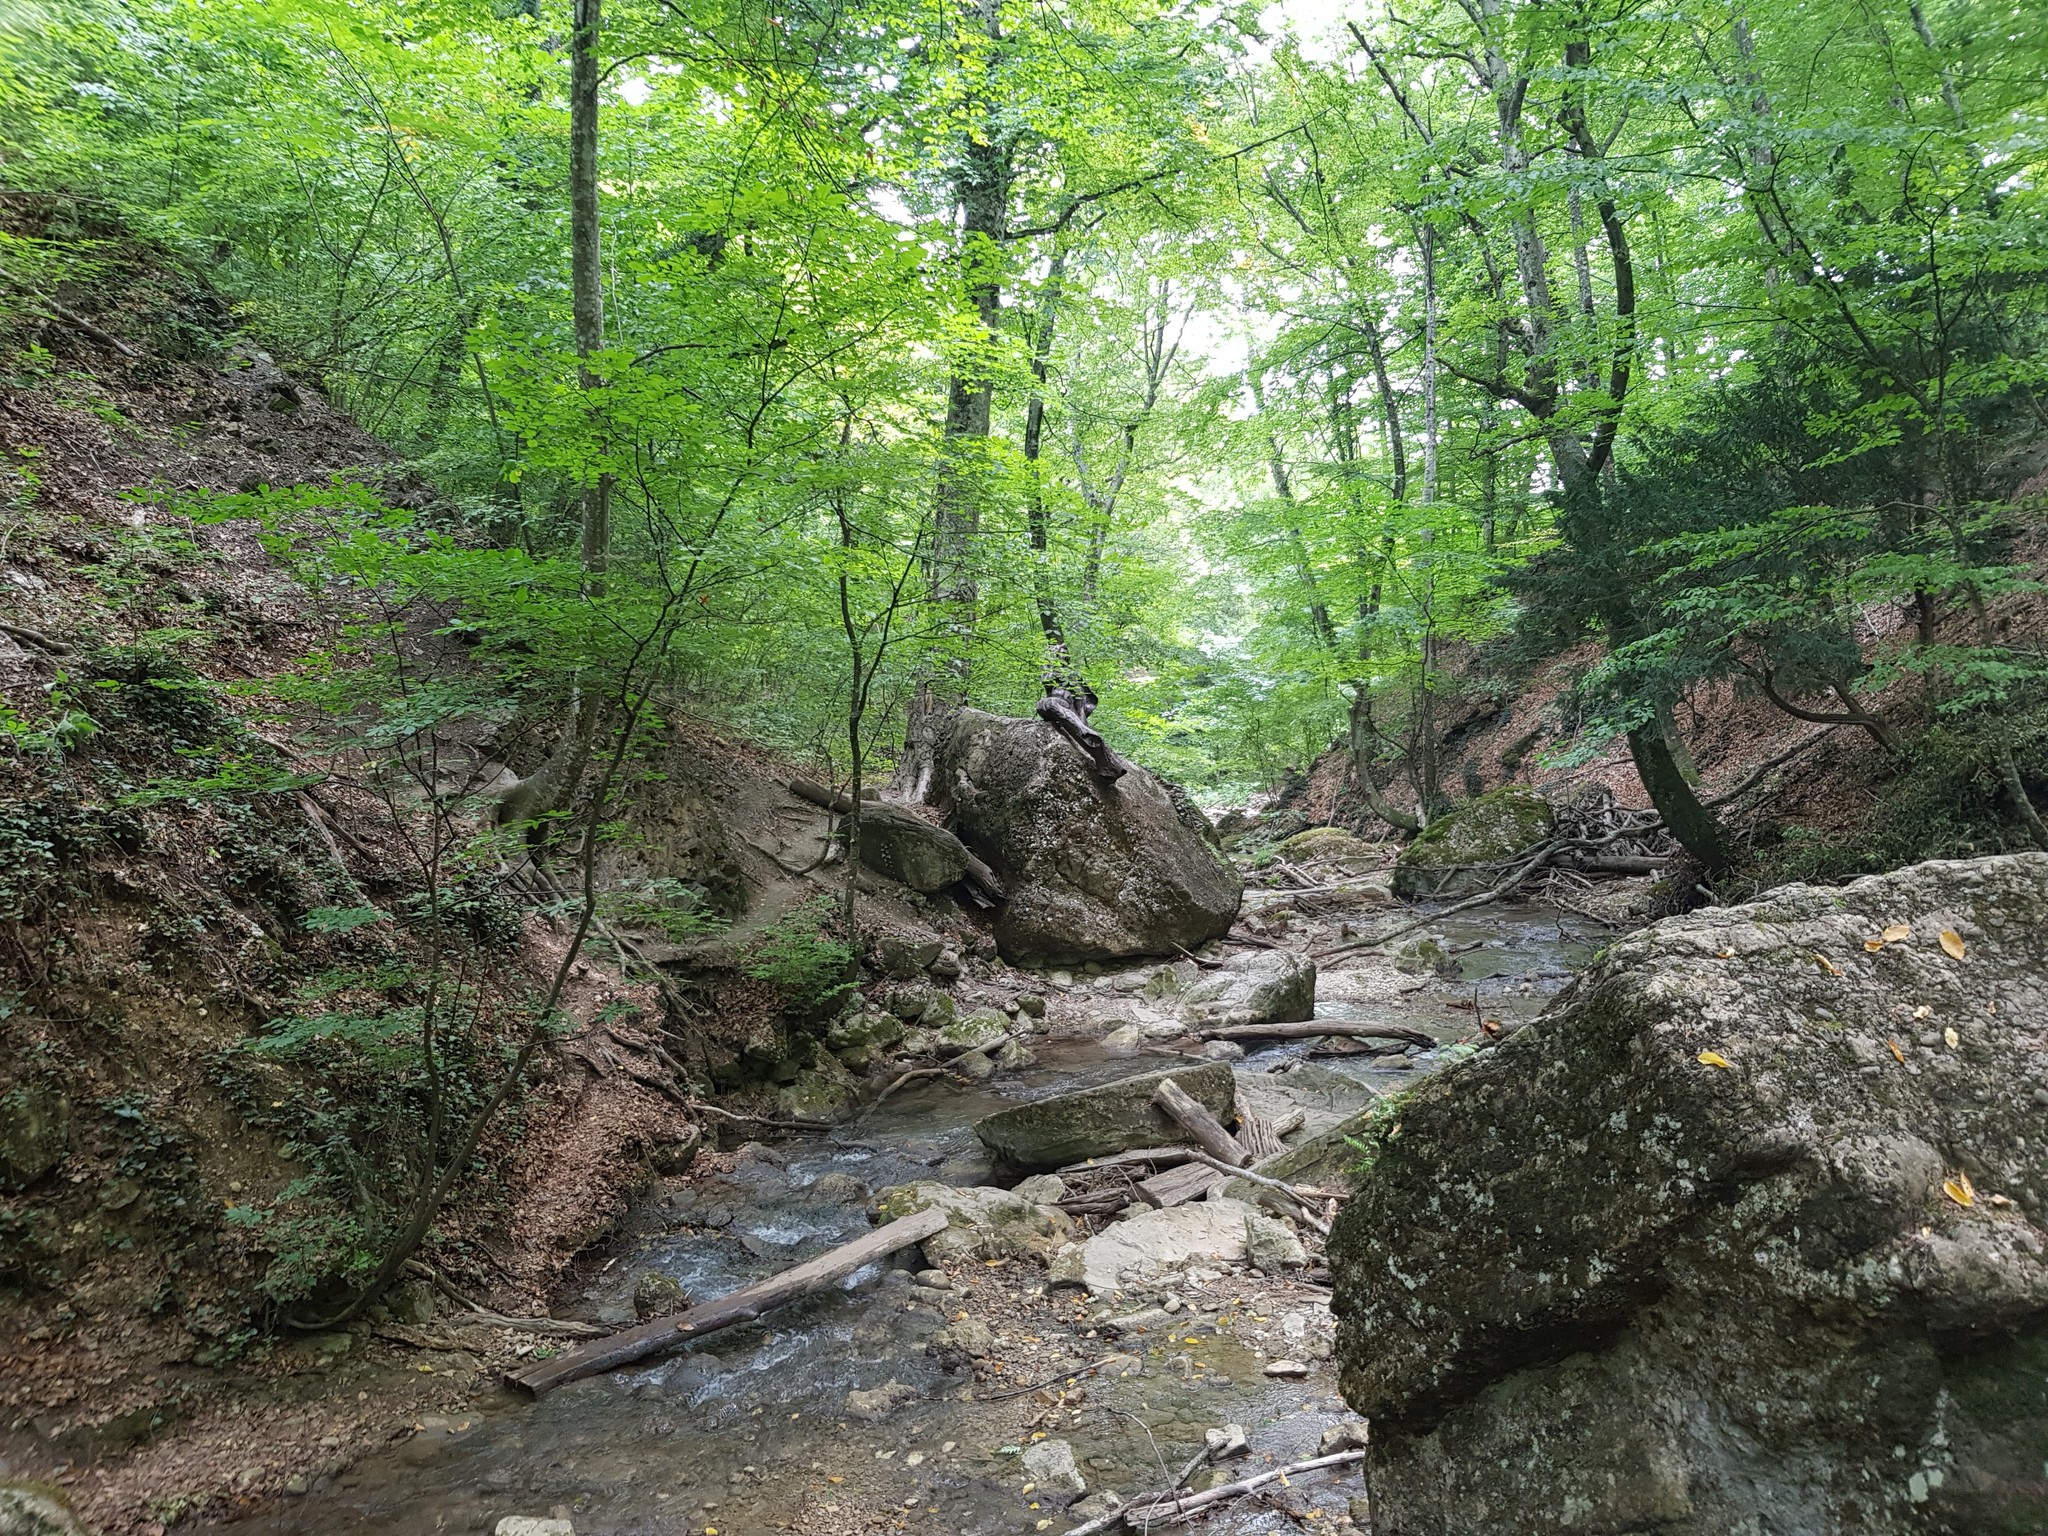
(813,970)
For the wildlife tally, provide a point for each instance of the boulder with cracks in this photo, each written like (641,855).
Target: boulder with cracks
(1742,1233)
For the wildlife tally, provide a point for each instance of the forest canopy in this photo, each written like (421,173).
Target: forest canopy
(1258,368)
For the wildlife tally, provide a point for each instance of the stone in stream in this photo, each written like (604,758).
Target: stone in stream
(1457,854)
(1096,1505)
(1741,1232)
(961,1343)
(878,1403)
(1098,1122)
(1094,870)
(982,1223)
(1050,1464)
(1202,1231)
(1266,986)
(657,1295)
(1227,1443)
(1271,1246)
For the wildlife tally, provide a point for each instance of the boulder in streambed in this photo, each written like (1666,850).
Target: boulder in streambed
(1742,1233)
(1050,1465)
(1200,1232)
(1458,853)
(1266,986)
(1097,1122)
(1095,870)
(981,1222)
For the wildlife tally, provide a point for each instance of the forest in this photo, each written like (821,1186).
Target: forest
(585,581)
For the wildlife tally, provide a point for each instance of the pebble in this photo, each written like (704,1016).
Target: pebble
(1292,1370)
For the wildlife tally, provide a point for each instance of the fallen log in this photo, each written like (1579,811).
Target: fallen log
(741,1306)
(1158,1157)
(1170,1508)
(1190,1181)
(1203,1128)
(834,800)
(1615,863)
(1315,1027)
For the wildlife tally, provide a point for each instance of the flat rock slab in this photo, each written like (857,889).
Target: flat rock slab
(1325,1098)
(1207,1231)
(1097,1122)
(1267,986)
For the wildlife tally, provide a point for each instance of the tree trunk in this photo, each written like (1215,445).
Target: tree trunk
(1034,440)
(548,787)
(1362,736)
(586,270)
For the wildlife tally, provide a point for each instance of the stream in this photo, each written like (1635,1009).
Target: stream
(749,1433)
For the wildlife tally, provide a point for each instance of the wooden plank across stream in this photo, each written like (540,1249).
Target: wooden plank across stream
(741,1306)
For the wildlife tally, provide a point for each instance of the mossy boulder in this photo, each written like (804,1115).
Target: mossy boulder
(822,1092)
(1743,1232)
(974,1030)
(1458,853)
(1097,1122)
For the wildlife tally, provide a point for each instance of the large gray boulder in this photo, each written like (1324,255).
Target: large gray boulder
(1094,870)
(1098,1122)
(1740,1236)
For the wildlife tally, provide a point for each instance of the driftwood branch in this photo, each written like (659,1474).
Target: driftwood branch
(741,1306)
(1316,1027)
(1170,1508)
(1202,1127)
(34,637)
(1301,1198)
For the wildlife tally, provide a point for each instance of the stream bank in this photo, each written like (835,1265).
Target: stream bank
(846,1413)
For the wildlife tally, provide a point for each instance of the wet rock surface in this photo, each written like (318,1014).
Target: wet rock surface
(1742,1233)
(1094,870)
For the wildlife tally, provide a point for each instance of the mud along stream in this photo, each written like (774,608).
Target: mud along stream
(831,1416)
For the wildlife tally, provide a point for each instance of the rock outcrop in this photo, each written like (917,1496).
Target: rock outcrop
(1457,853)
(1095,870)
(1740,1236)
(1098,1122)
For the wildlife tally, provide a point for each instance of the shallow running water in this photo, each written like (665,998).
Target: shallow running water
(748,1434)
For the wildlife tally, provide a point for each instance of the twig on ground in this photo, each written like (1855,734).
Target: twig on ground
(1167,1508)
(1039,1386)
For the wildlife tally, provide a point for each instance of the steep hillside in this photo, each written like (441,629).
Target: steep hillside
(193,917)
